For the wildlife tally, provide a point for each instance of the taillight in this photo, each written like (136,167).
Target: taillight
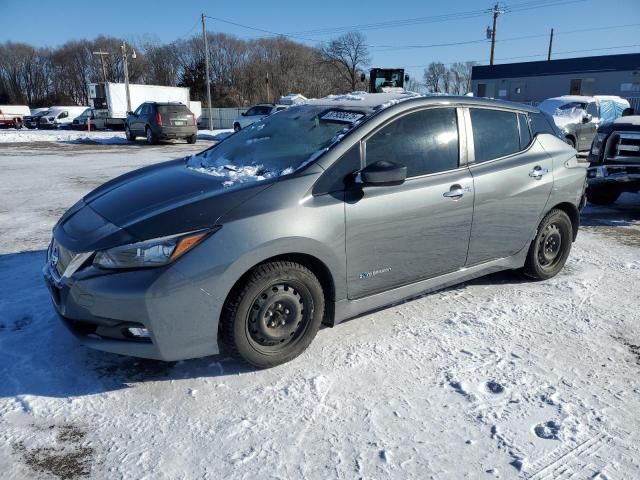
(158,118)
(193,119)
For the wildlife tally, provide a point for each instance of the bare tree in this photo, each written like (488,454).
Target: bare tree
(461,77)
(434,77)
(346,55)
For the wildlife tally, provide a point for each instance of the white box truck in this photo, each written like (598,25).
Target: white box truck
(109,100)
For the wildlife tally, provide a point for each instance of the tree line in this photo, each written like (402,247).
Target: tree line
(242,72)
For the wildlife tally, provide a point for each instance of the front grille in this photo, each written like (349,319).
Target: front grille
(64,257)
(628,145)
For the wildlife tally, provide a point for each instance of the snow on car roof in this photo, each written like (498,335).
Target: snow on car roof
(362,100)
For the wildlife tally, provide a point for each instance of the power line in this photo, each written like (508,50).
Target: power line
(384,48)
(515,7)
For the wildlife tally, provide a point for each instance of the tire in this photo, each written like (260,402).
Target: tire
(273,314)
(130,136)
(192,139)
(602,196)
(236,127)
(18,123)
(570,141)
(151,138)
(550,248)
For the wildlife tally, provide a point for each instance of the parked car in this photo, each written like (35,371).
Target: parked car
(159,121)
(11,115)
(579,116)
(32,121)
(60,117)
(614,160)
(82,121)
(317,214)
(256,113)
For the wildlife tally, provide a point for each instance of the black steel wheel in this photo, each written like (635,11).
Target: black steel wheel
(550,249)
(272,315)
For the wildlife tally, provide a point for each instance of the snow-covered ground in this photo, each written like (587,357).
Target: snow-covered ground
(497,378)
(81,137)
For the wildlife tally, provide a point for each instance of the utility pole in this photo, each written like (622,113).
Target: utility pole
(125,62)
(550,45)
(496,11)
(267,84)
(101,54)
(206,63)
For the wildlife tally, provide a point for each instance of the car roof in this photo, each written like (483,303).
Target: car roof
(375,101)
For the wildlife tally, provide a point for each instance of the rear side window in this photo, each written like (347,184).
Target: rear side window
(495,133)
(425,141)
(543,123)
(525,133)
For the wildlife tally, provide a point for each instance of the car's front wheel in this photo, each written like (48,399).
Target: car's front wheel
(550,249)
(130,136)
(602,196)
(273,314)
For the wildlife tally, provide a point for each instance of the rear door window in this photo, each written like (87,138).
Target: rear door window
(495,133)
(525,132)
(425,141)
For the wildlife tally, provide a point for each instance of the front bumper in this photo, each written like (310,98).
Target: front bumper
(98,308)
(623,176)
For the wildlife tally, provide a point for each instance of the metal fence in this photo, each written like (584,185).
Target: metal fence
(220,117)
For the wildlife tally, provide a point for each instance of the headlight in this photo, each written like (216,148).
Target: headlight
(597,143)
(150,253)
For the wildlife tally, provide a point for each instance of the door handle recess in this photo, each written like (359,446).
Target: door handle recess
(538,172)
(455,192)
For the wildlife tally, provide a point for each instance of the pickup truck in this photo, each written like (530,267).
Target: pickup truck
(614,161)
(11,115)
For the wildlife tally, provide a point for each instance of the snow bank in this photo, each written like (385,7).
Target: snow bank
(82,137)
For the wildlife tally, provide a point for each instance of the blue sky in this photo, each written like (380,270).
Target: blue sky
(51,23)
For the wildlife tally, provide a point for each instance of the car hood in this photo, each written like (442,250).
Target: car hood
(151,202)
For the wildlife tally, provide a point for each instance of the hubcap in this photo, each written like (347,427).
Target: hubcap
(277,316)
(550,245)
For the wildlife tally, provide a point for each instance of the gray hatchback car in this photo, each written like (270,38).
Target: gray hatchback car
(315,215)
(161,121)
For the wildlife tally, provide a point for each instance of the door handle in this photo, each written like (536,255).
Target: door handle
(455,192)
(538,172)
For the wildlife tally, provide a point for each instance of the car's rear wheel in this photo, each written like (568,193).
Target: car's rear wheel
(192,139)
(550,249)
(130,136)
(151,138)
(273,314)
(602,196)
(236,127)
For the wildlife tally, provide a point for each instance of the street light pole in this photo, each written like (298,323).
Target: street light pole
(206,63)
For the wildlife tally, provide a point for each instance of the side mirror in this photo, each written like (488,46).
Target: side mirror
(587,118)
(363,77)
(406,78)
(383,173)
(244,114)
(129,113)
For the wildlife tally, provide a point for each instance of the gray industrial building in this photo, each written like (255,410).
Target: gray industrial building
(532,82)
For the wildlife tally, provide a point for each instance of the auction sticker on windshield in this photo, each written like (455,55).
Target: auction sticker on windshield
(341,116)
